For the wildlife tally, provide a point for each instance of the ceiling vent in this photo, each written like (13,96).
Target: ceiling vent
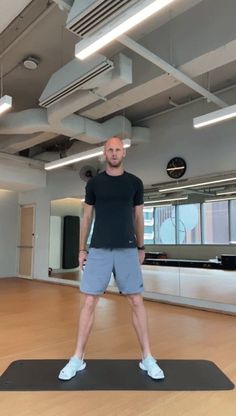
(72,77)
(86,16)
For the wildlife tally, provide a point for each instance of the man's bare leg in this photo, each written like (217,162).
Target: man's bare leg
(76,363)
(86,320)
(140,323)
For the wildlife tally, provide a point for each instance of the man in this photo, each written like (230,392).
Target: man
(116,246)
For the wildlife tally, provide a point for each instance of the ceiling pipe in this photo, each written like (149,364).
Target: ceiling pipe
(156,60)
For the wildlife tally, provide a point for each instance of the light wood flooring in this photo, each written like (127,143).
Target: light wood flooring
(39,320)
(68,275)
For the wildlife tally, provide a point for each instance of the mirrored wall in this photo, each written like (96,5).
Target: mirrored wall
(65,218)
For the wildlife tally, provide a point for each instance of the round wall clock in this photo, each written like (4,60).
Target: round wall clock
(176,167)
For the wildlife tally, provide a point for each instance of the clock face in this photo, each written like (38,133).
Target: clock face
(176,167)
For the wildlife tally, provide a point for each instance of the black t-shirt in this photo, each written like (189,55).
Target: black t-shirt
(114,198)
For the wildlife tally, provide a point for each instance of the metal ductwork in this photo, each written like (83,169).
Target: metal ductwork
(94,91)
(64,99)
(74,76)
(64,4)
(86,16)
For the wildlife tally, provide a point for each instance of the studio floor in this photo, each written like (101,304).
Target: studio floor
(39,320)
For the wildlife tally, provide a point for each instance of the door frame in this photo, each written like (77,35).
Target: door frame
(18,241)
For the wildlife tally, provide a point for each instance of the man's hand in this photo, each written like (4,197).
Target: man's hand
(82,259)
(141,256)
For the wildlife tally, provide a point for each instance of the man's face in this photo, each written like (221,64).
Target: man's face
(114,152)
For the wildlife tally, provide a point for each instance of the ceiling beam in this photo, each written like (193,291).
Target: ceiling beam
(165,66)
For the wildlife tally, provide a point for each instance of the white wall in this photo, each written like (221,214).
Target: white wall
(8,233)
(16,173)
(67,206)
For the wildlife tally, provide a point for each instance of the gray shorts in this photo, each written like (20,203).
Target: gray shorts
(101,263)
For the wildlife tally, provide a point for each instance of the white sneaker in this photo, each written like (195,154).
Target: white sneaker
(150,365)
(71,368)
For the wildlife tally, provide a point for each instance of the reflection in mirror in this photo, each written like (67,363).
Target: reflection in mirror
(197,211)
(64,238)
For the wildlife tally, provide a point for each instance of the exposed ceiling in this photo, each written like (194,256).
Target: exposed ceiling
(8,14)
(37,29)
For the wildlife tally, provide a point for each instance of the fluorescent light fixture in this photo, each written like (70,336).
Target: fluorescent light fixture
(215,117)
(126,21)
(160,205)
(197,184)
(89,154)
(220,199)
(166,200)
(5,103)
(226,192)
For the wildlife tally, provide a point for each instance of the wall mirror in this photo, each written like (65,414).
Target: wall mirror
(65,218)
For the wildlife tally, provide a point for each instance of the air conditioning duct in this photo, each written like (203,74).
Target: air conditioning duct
(86,16)
(72,77)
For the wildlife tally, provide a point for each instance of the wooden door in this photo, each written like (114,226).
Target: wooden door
(26,241)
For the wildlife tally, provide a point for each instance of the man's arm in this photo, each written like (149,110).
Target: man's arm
(84,232)
(139,230)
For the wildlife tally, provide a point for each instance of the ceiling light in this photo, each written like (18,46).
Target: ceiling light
(174,188)
(89,154)
(126,21)
(31,63)
(220,199)
(5,103)
(215,117)
(166,200)
(159,205)
(226,192)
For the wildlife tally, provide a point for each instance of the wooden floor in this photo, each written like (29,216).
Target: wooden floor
(75,276)
(38,320)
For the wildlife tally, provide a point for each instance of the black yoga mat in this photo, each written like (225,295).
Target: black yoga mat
(42,375)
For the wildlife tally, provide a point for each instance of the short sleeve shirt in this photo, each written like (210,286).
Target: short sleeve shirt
(114,198)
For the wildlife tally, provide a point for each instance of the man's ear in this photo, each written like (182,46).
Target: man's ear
(124,152)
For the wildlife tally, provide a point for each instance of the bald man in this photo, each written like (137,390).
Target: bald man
(116,246)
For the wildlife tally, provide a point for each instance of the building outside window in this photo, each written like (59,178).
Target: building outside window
(215,222)
(164,219)
(188,224)
(233,221)
(148,213)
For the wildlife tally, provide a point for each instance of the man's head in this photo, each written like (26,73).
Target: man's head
(114,152)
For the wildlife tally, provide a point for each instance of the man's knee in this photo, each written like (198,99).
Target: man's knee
(135,300)
(90,302)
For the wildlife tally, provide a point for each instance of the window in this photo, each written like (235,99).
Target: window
(165,225)
(215,222)
(148,213)
(188,224)
(233,221)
